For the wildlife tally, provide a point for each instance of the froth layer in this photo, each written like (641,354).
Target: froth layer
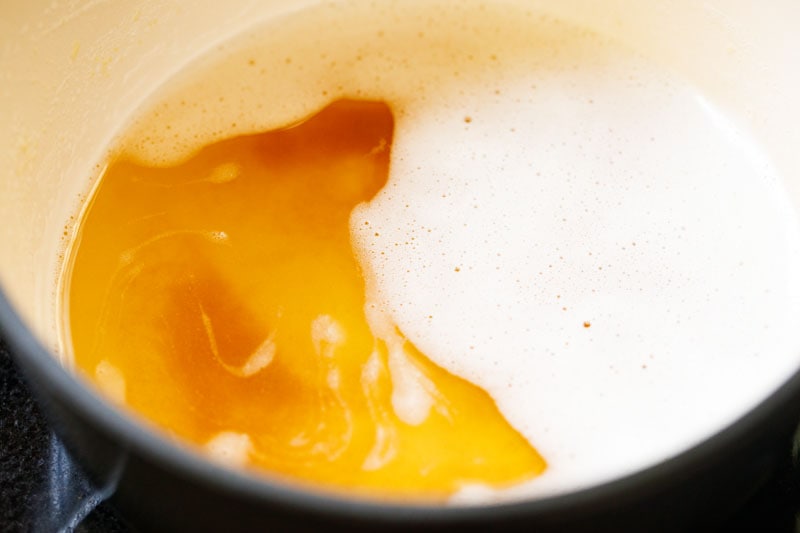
(566,225)
(405,53)
(612,260)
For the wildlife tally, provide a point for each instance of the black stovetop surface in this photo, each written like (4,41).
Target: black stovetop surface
(42,490)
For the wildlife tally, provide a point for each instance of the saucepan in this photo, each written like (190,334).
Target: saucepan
(72,72)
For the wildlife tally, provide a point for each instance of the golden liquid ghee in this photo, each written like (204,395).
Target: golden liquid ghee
(221,299)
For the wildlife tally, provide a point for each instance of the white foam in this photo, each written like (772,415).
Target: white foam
(230,448)
(385,447)
(326,335)
(111,381)
(635,208)
(541,178)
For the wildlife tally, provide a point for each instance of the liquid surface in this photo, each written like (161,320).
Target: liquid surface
(221,300)
(541,177)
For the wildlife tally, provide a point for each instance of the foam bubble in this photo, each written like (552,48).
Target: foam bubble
(326,335)
(111,381)
(230,448)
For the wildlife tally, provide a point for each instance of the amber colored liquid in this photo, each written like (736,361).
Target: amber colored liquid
(223,297)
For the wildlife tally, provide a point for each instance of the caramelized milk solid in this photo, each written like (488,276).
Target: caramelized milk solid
(434,250)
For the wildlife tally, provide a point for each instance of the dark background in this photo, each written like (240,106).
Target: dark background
(41,487)
(38,488)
